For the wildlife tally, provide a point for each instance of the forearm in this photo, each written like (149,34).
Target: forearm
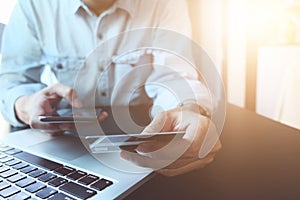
(12,91)
(174,94)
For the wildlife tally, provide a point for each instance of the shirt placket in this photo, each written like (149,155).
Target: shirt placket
(103,94)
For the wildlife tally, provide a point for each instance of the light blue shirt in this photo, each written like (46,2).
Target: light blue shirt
(49,40)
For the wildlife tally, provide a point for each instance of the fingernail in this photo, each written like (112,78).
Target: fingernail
(104,114)
(64,127)
(124,155)
(77,103)
(143,147)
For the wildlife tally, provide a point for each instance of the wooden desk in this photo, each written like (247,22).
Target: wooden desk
(260,159)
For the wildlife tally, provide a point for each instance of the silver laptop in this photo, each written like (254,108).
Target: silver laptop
(36,165)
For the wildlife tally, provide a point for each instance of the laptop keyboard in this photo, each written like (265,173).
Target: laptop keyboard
(27,176)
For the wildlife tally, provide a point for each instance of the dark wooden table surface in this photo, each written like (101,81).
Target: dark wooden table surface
(260,159)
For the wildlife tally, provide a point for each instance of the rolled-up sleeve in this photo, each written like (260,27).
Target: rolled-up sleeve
(20,53)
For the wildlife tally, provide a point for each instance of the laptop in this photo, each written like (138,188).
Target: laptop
(36,165)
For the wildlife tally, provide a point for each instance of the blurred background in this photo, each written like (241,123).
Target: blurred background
(255,45)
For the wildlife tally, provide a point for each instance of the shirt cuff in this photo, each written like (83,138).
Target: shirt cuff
(10,98)
(166,100)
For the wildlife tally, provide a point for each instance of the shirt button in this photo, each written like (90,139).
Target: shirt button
(100,36)
(101,69)
(59,66)
(103,94)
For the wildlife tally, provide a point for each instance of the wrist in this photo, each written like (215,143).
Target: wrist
(20,109)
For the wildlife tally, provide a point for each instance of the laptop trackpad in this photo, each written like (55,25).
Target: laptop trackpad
(63,147)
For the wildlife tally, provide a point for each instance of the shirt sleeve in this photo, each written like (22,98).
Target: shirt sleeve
(174,79)
(21,53)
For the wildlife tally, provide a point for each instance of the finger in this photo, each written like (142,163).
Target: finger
(217,147)
(160,123)
(52,127)
(65,92)
(144,161)
(67,127)
(137,159)
(187,168)
(148,147)
(53,133)
(197,129)
(210,141)
(162,151)
(102,116)
(186,159)
(203,135)
(46,107)
(35,123)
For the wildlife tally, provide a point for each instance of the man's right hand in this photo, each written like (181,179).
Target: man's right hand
(29,108)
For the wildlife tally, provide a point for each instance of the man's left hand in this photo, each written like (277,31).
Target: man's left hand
(197,129)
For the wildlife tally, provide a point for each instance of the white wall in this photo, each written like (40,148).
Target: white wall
(207,17)
(211,30)
(236,52)
(207,24)
(6,7)
(274,63)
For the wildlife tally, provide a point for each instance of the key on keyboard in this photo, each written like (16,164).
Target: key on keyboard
(20,166)
(47,177)
(64,170)
(45,193)
(35,187)
(12,162)
(25,182)
(3,185)
(28,169)
(78,190)
(101,184)
(88,179)
(41,162)
(8,173)
(9,191)
(60,196)
(76,175)
(37,173)
(57,182)
(16,178)
(19,196)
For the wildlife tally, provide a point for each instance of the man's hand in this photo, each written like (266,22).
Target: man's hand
(29,108)
(186,153)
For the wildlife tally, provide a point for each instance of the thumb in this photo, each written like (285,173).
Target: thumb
(210,140)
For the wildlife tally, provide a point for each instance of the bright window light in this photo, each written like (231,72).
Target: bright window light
(6,7)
